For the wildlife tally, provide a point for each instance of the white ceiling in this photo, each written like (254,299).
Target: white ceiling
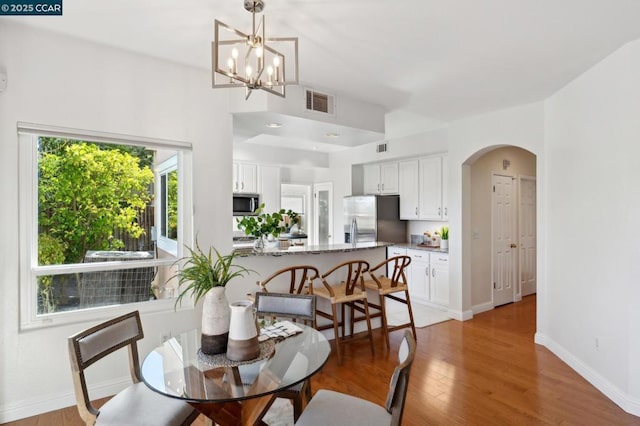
(442,59)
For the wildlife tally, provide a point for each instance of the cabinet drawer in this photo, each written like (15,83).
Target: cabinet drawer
(396,251)
(419,255)
(439,258)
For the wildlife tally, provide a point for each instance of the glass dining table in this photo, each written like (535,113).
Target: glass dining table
(233,393)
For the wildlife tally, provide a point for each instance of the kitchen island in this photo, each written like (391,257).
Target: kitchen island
(271,259)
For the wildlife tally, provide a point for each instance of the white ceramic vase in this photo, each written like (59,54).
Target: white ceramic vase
(444,244)
(215,322)
(243,332)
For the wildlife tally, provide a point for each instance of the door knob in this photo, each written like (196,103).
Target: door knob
(513,245)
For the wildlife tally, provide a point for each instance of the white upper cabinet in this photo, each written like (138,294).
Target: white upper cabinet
(269,188)
(409,189)
(433,191)
(380,178)
(245,177)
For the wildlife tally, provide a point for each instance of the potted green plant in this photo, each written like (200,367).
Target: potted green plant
(203,275)
(444,238)
(262,225)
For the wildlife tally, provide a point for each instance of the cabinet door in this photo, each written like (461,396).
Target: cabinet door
(389,178)
(248,177)
(371,178)
(431,188)
(408,188)
(439,280)
(445,185)
(419,281)
(269,188)
(234,178)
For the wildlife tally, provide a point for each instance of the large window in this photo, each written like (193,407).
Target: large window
(91,207)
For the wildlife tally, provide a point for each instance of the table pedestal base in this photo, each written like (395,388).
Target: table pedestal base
(249,412)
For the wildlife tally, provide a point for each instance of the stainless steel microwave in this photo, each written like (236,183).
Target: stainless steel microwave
(245,204)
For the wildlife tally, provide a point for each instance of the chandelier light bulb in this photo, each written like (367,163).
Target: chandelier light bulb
(234,53)
(276,61)
(249,71)
(259,52)
(231,63)
(270,74)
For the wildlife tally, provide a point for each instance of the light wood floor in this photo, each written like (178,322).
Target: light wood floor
(485,371)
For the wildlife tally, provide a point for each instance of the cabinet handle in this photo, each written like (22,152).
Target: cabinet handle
(433,272)
(236,185)
(439,211)
(242,185)
(378,187)
(446,212)
(383,186)
(416,211)
(426,271)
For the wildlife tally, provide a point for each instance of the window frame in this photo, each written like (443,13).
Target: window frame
(28,134)
(163,169)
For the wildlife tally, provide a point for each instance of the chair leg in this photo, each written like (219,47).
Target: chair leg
(335,330)
(366,313)
(383,319)
(343,318)
(413,324)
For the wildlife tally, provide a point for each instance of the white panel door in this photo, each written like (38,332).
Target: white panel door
(503,226)
(527,233)
(409,189)
(445,185)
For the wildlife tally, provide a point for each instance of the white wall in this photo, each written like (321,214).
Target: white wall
(56,80)
(593,170)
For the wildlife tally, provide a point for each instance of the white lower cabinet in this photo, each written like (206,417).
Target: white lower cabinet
(439,279)
(419,281)
(427,275)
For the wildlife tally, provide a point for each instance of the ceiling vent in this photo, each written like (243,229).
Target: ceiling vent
(381,147)
(320,102)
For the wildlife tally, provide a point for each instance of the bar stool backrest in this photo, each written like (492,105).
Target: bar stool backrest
(299,277)
(353,271)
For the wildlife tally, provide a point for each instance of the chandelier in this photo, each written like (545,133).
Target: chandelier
(253,61)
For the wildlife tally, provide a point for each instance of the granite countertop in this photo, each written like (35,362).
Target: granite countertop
(306,249)
(419,247)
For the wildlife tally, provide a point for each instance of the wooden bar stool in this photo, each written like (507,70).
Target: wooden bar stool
(387,278)
(350,288)
(300,278)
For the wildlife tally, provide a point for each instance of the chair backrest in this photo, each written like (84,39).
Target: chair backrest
(395,268)
(293,306)
(354,270)
(93,344)
(299,277)
(400,379)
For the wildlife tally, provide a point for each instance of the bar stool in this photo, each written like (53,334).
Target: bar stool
(390,279)
(350,288)
(300,277)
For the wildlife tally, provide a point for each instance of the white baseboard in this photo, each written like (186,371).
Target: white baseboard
(628,403)
(482,307)
(45,403)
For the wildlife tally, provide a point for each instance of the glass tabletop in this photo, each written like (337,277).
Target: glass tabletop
(177,370)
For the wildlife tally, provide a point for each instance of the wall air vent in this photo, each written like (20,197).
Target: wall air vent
(381,147)
(320,102)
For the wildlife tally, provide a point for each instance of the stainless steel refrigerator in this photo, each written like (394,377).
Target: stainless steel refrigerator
(373,218)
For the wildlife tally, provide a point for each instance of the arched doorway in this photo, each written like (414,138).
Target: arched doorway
(500,212)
